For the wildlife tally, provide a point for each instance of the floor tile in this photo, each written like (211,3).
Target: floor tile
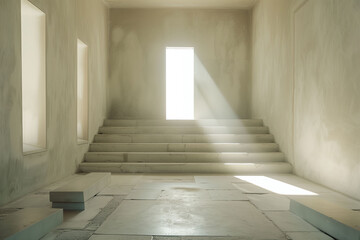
(116,190)
(67,235)
(216,179)
(289,222)
(250,188)
(196,218)
(227,195)
(119,237)
(144,194)
(105,212)
(79,219)
(217,185)
(308,236)
(165,185)
(51,235)
(125,179)
(75,225)
(270,202)
(222,238)
(184,194)
(168,178)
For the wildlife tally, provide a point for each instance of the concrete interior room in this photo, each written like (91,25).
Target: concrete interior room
(180,119)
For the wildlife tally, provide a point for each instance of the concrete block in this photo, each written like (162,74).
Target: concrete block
(78,206)
(331,218)
(30,223)
(81,189)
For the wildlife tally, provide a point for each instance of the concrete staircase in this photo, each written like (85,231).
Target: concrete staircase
(242,146)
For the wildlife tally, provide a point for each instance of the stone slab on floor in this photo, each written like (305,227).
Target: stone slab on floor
(120,237)
(217,179)
(185,194)
(227,195)
(308,236)
(81,189)
(30,223)
(270,202)
(289,222)
(80,219)
(77,206)
(144,194)
(193,218)
(116,190)
(203,238)
(250,188)
(168,178)
(329,217)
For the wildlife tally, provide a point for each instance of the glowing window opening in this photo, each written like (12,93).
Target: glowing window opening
(33,67)
(82,91)
(179,83)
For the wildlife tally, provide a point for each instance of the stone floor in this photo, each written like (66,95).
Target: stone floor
(188,207)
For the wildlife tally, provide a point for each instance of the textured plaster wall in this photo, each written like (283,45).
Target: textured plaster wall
(309,91)
(65,21)
(138,39)
(271,93)
(327,94)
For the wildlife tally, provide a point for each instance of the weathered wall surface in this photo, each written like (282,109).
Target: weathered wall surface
(21,174)
(138,39)
(307,88)
(327,94)
(271,93)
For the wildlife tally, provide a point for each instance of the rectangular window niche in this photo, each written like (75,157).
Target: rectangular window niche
(179,83)
(82,92)
(33,51)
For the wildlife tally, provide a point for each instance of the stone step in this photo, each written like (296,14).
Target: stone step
(200,122)
(186,130)
(232,168)
(163,157)
(80,190)
(184,138)
(184,147)
(30,223)
(329,217)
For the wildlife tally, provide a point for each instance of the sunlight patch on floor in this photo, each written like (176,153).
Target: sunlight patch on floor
(275,186)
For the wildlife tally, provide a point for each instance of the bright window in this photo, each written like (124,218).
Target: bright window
(33,51)
(179,83)
(82,91)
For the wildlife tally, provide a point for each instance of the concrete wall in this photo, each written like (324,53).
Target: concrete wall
(138,39)
(65,21)
(271,93)
(316,90)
